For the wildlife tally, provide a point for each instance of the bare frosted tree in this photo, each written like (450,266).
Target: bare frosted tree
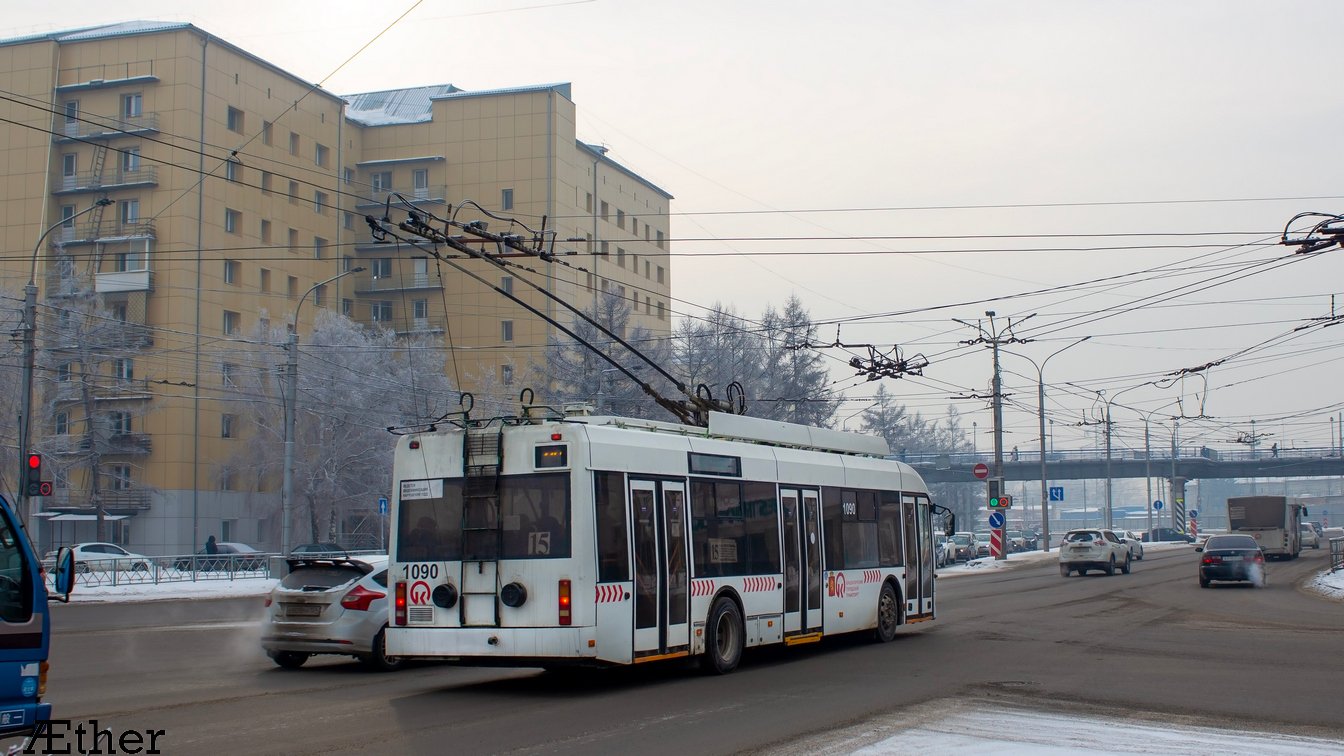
(796,383)
(892,421)
(718,349)
(354,382)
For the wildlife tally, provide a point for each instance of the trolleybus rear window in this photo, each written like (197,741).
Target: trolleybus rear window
(613,546)
(430,530)
(535,512)
(734,528)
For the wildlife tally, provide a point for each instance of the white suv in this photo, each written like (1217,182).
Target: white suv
(1083,550)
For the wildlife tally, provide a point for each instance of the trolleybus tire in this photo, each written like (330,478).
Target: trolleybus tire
(725,634)
(888,614)
(289,659)
(377,659)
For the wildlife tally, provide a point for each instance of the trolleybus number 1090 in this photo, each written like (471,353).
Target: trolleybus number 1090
(420,571)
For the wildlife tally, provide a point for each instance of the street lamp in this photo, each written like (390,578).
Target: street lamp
(1040,398)
(30,350)
(291,409)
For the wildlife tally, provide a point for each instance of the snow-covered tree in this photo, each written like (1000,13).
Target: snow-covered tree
(795,382)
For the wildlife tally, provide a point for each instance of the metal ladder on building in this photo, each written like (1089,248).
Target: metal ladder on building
(482,528)
(99,159)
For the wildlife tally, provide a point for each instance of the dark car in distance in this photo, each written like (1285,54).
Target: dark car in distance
(1166,534)
(1231,557)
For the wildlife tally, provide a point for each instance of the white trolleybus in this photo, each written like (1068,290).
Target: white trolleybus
(612,541)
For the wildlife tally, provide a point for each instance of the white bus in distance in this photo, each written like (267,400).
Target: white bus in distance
(613,541)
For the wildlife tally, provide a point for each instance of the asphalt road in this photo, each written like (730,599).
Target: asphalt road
(1150,641)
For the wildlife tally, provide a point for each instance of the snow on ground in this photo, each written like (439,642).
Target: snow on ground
(996,731)
(1331,585)
(240,587)
(1031,558)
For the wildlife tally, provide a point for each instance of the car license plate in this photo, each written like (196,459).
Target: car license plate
(1233,558)
(1081,548)
(303,610)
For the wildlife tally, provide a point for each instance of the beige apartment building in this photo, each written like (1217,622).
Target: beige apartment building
(236,187)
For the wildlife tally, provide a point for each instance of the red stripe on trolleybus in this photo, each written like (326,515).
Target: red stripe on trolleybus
(755,584)
(606,593)
(872,576)
(702,587)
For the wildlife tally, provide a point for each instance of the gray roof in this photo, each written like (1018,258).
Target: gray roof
(122,29)
(600,153)
(393,106)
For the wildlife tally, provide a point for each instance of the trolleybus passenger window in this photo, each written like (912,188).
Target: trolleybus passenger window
(16,587)
(859,511)
(889,530)
(535,513)
(731,536)
(831,520)
(430,530)
(613,554)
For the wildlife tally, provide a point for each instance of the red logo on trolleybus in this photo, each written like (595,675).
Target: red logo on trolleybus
(419,593)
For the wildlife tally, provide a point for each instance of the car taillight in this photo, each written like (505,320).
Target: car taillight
(269,597)
(1212,559)
(564,602)
(399,614)
(360,597)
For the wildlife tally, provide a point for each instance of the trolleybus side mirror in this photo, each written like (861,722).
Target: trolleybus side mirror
(950,524)
(65,573)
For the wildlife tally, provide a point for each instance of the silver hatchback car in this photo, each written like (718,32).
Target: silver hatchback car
(334,605)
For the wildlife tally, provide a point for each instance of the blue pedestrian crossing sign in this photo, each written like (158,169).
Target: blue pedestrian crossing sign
(1056,493)
(382,506)
(1157,504)
(996,519)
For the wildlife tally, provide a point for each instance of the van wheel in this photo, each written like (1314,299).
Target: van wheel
(378,660)
(289,659)
(888,614)
(723,646)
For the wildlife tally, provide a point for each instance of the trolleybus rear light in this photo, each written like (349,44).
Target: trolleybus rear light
(400,604)
(564,602)
(555,436)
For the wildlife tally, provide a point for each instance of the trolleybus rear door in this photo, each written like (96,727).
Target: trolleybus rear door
(912,556)
(795,593)
(811,512)
(662,574)
(648,576)
(925,556)
(678,575)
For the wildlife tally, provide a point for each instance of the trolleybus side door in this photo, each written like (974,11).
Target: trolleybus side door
(662,571)
(795,586)
(811,512)
(648,576)
(913,556)
(677,583)
(925,555)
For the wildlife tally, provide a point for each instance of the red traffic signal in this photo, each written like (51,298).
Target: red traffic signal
(33,475)
(35,461)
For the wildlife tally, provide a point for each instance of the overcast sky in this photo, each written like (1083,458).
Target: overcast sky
(783,106)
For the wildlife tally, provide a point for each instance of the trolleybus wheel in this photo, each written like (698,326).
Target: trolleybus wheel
(888,614)
(723,647)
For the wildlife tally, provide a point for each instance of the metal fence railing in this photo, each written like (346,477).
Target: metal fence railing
(1336,554)
(92,572)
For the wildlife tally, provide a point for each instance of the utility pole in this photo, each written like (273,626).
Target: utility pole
(996,338)
(30,359)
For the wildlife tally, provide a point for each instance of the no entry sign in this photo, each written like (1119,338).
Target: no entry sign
(981,470)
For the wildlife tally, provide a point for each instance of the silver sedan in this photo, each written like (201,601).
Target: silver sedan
(329,606)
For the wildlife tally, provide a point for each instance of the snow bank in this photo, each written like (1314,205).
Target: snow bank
(994,731)
(1033,558)
(201,589)
(1328,584)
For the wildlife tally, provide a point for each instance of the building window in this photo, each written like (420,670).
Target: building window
(420,179)
(347,262)
(646,232)
(646,269)
(381,182)
(620,257)
(232,321)
(130,211)
(349,175)
(233,221)
(506,374)
(590,282)
(265,132)
(660,274)
(421,308)
(231,271)
(605,250)
(266,232)
(620,219)
(604,210)
(293,240)
(319,245)
(382,267)
(662,311)
(67,216)
(71,114)
(347,307)
(293,143)
(588,243)
(506,199)
(121,477)
(660,240)
(319,202)
(292,289)
(320,155)
(587,202)
(130,160)
(62,423)
(506,283)
(120,423)
(506,330)
(265,281)
(382,312)
(63,372)
(232,170)
(320,296)
(294,192)
(348,220)
(265,182)
(634,225)
(235,120)
(123,369)
(227,372)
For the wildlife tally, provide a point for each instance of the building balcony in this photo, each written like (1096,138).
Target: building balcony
(414,282)
(81,502)
(104,390)
(89,126)
(120,443)
(123,280)
(419,326)
(101,181)
(377,197)
(90,232)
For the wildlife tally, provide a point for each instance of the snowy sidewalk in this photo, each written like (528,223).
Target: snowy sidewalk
(1327,584)
(201,589)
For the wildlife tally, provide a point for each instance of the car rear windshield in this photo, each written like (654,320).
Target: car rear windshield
(961,540)
(320,577)
(1232,542)
(1082,536)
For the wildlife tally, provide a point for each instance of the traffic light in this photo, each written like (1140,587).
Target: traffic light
(33,475)
(996,498)
(1001,502)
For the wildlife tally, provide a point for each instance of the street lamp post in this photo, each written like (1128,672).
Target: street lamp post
(30,355)
(291,410)
(1040,399)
